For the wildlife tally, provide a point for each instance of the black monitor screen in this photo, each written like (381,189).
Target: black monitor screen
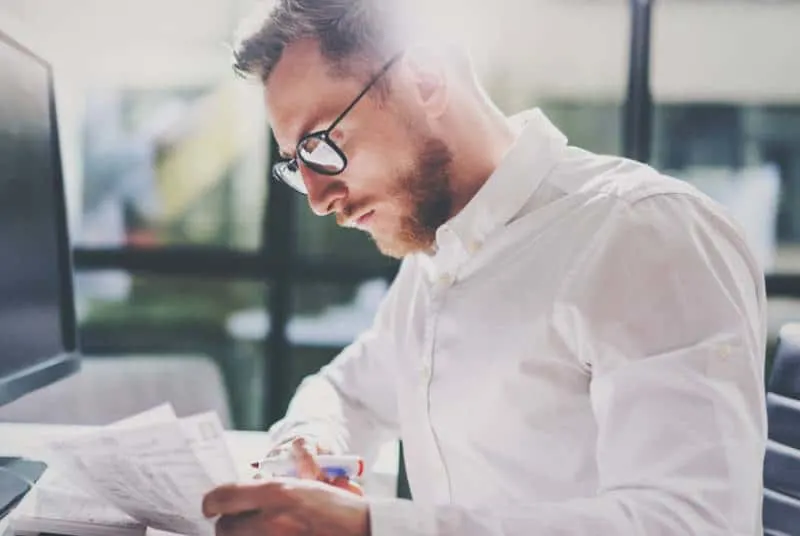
(32,279)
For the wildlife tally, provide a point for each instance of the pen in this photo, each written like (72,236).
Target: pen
(332,465)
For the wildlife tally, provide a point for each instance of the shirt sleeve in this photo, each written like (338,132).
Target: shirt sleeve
(666,309)
(350,405)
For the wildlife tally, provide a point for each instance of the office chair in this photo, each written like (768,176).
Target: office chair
(783,416)
(785,377)
(781,509)
(781,512)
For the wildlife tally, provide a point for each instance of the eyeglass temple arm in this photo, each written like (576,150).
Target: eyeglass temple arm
(364,91)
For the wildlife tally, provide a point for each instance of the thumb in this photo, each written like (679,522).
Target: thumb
(305,464)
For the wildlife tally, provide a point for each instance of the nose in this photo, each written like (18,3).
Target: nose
(324,191)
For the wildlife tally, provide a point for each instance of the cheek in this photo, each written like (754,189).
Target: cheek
(375,172)
(381,156)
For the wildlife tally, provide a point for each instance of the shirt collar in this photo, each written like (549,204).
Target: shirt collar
(536,151)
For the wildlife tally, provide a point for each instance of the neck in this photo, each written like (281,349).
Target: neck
(483,137)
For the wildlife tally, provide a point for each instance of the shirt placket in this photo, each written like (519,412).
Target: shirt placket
(439,479)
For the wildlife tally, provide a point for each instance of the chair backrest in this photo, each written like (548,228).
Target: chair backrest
(782,469)
(783,415)
(111,388)
(781,512)
(785,376)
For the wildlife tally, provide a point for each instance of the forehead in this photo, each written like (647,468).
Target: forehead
(301,90)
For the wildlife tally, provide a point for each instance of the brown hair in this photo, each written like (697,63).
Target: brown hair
(368,30)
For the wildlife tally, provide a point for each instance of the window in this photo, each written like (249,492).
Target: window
(568,58)
(164,155)
(134,314)
(727,119)
(166,166)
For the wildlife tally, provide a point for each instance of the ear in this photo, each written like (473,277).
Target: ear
(427,73)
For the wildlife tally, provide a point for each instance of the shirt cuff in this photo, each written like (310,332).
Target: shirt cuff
(400,517)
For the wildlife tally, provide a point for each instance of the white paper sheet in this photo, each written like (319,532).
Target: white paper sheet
(206,437)
(57,506)
(153,467)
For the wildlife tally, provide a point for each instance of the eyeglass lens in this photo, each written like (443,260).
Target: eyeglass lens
(318,154)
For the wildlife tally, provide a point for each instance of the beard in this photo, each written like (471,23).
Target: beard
(426,199)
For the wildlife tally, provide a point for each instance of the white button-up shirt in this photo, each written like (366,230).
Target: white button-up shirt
(582,355)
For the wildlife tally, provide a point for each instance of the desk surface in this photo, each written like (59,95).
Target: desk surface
(29,439)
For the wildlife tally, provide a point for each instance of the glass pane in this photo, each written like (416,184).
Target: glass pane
(325,318)
(569,59)
(124,315)
(728,117)
(594,126)
(328,317)
(780,311)
(173,166)
(162,144)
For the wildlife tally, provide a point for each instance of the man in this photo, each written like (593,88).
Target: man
(573,344)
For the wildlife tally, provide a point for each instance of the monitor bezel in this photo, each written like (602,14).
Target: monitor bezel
(67,362)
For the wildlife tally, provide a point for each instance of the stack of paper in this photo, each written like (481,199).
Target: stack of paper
(57,507)
(151,470)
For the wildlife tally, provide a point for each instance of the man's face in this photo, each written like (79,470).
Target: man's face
(395,186)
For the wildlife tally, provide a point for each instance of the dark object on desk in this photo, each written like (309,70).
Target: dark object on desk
(781,513)
(16,477)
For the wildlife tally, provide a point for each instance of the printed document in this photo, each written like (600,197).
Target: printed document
(150,470)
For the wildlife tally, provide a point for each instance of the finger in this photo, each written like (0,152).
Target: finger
(346,484)
(234,499)
(322,450)
(305,464)
(282,447)
(239,525)
(230,499)
(288,524)
(261,525)
(286,446)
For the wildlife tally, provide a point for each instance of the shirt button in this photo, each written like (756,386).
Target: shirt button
(474,246)
(446,280)
(725,351)
(426,372)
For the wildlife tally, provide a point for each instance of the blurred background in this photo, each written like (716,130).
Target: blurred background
(185,250)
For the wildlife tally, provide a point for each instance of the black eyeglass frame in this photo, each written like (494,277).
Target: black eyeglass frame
(324,136)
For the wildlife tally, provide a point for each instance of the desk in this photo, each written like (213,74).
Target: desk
(28,439)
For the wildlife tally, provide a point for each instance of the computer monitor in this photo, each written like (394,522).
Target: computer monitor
(37,315)
(38,343)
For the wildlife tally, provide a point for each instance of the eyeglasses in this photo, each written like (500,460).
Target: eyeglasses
(317,150)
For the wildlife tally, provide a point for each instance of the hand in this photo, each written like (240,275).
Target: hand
(287,507)
(292,447)
(307,468)
(304,462)
(288,445)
